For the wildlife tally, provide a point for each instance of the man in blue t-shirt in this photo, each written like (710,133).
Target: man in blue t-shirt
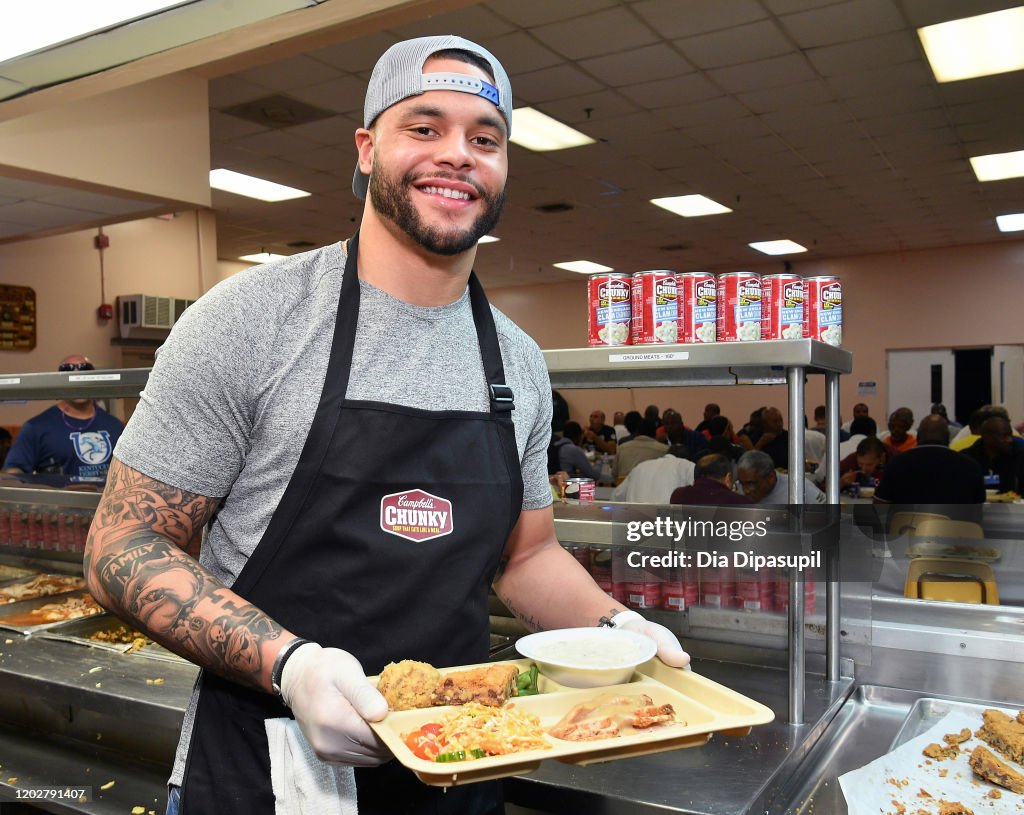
(74,438)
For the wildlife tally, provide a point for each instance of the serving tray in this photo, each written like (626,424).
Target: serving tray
(16,616)
(702,708)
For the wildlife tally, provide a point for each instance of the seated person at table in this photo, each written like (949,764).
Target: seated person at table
(633,422)
(860,411)
(932,477)
(863,426)
(773,439)
(996,454)
(643,447)
(619,426)
(672,421)
(711,410)
(712,485)
(865,465)
(599,434)
(570,457)
(821,423)
(652,482)
(721,438)
(763,485)
(899,437)
(970,434)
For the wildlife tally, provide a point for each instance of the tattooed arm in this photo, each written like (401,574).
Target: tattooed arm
(140,562)
(542,584)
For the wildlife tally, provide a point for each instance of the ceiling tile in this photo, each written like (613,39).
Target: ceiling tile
(850,57)
(477,23)
(811,94)
(907,79)
(767,73)
(929,12)
(585,112)
(698,16)
(596,34)
(342,95)
(553,83)
(528,13)
(358,55)
(842,22)
(520,53)
(668,92)
(741,44)
(290,73)
(230,90)
(652,62)
(224,127)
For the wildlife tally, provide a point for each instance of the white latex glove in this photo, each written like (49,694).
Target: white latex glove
(669,650)
(332,701)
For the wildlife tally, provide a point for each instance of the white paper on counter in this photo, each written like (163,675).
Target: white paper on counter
(870,791)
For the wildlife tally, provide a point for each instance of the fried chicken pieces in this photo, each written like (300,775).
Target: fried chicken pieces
(409,684)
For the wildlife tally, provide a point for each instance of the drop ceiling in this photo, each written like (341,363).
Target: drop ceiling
(814,120)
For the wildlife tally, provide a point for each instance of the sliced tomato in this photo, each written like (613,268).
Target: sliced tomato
(424,742)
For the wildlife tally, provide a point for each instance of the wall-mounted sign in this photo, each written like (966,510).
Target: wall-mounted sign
(17,318)
(867,388)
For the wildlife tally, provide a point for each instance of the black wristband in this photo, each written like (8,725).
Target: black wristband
(277,672)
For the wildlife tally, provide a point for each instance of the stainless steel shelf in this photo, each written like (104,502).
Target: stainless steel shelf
(733,363)
(112,383)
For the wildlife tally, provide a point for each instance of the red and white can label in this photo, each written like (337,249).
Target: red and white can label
(579,489)
(645,594)
(782,307)
(655,314)
(823,309)
(698,312)
(416,515)
(610,297)
(739,307)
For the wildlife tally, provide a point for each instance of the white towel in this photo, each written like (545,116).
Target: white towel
(303,783)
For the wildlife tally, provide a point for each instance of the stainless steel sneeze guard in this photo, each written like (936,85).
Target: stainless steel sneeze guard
(734,363)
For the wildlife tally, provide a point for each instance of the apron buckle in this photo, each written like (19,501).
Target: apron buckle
(502,398)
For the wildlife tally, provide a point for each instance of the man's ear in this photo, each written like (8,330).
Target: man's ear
(364,144)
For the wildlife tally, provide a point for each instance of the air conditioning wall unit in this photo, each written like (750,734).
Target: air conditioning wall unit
(146,316)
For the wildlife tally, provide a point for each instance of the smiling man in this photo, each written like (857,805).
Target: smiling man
(366,438)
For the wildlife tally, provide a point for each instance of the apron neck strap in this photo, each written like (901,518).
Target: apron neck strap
(499,393)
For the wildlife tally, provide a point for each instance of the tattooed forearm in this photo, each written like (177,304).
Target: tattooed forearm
(136,564)
(528,620)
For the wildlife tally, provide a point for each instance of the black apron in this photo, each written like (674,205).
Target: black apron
(385,543)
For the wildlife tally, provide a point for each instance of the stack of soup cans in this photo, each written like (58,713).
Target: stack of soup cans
(661,306)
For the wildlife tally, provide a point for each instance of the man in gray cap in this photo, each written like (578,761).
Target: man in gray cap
(366,526)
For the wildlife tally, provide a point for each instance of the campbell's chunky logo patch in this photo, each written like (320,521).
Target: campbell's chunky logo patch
(416,515)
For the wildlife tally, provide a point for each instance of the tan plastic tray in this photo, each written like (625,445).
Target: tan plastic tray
(702,707)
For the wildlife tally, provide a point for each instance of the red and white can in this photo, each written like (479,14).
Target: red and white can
(823,309)
(739,307)
(698,314)
(755,591)
(782,595)
(718,587)
(782,307)
(579,489)
(610,297)
(680,590)
(655,312)
(645,593)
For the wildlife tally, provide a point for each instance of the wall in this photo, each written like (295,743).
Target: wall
(954,297)
(175,258)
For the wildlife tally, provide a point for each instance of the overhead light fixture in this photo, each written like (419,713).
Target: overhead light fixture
(690,206)
(784,247)
(538,131)
(488,239)
(252,187)
(975,46)
(583,266)
(1013,222)
(997,166)
(263,257)
(34,26)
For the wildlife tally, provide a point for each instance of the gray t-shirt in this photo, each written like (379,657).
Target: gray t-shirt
(234,389)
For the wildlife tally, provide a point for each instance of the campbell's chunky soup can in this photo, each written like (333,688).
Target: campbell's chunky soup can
(611,300)
(739,307)
(698,314)
(655,314)
(823,309)
(579,489)
(782,307)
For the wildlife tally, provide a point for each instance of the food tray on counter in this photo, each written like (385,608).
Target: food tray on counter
(8,572)
(928,712)
(81,631)
(702,708)
(20,617)
(39,584)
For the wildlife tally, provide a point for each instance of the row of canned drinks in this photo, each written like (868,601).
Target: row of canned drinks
(32,527)
(677,589)
(694,307)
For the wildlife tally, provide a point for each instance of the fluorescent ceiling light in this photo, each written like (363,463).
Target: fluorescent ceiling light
(538,131)
(785,247)
(583,266)
(1010,223)
(40,24)
(263,257)
(997,166)
(252,187)
(690,206)
(975,46)
(488,239)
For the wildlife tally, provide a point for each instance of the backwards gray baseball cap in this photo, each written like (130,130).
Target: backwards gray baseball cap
(398,75)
